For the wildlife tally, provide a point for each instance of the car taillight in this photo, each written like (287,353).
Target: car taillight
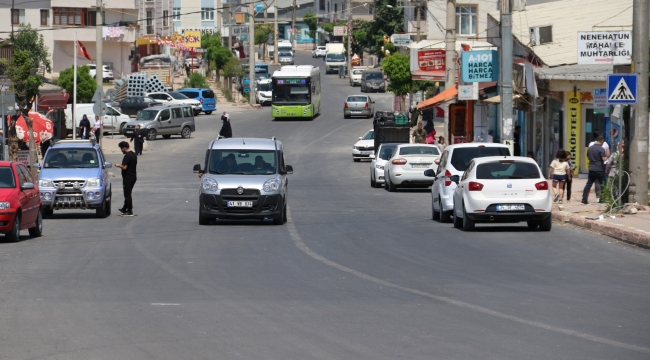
(437,161)
(447,178)
(366,106)
(400,161)
(542,185)
(474,186)
(346,105)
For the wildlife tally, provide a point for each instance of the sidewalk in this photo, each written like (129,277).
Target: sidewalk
(631,228)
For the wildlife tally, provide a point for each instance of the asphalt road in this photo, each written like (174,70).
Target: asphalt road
(356,273)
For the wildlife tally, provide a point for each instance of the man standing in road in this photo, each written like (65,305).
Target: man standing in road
(597,157)
(419,134)
(138,139)
(226,129)
(129,176)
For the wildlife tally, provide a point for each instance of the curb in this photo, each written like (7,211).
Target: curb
(618,232)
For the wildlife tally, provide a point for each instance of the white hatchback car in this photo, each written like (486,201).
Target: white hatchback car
(320,51)
(454,161)
(378,162)
(364,147)
(176,98)
(502,189)
(408,163)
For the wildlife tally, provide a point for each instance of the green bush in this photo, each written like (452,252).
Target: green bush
(195,80)
(86,85)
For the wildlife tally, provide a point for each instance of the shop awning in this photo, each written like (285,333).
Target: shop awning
(55,100)
(497,99)
(447,94)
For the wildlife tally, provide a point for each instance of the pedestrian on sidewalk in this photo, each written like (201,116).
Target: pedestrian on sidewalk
(606,147)
(84,127)
(597,157)
(569,177)
(558,173)
(97,128)
(138,139)
(419,135)
(226,129)
(129,177)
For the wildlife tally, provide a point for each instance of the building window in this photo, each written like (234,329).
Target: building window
(466,20)
(321,4)
(336,10)
(45,17)
(207,13)
(15,16)
(149,22)
(73,17)
(371,9)
(165,18)
(176,13)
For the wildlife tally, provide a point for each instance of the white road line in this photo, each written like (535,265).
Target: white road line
(164,304)
(301,245)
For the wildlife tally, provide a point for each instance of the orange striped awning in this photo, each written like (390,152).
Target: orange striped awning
(446,95)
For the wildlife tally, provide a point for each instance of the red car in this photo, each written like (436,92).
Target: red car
(20,202)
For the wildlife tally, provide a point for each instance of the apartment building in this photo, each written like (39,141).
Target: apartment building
(58,22)
(197,15)
(336,10)
(155,20)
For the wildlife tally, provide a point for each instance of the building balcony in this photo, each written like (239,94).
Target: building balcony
(88,34)
(108,4)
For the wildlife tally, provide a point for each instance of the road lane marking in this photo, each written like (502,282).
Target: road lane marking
(164,304)
(300,244)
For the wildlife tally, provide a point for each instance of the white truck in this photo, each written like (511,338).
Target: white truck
(356,74)
(334,57)
(285,45)
(160,65)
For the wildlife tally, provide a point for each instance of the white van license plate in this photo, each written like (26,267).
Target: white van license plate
(511,207)
(240,204)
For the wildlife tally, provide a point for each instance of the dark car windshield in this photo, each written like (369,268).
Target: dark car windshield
(386,151)
(208,94)
(71,158)
(7,179)
(285,54)
(147,115)
(507,169)
(357,99)
(419,150)
(461,157)
(242,162)
(191,94)
(335,57)
(265,87)
(369,135)
(374,76)
(177,96)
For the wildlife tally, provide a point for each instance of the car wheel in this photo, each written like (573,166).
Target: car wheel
(346,116)
(533,224)
(100,212)
(458,222)
(468,224)
(362,89)
(108,206)
(546,224)
(445,217)
(196,113)
(37,230)
(204,220)
(282,218)
(356,160)
(122,128)
(434,214)
(166,136)
(373,183)
(14,234)
(47,212)
(208,112)
(151,134)
(391,186)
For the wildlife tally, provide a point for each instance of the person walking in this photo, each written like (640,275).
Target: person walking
(97,128)
(226,129)
(606,147)
(597,157)
(419,134)
(558,173)
(84,127)
(569,177)
(129,176)
(138,139)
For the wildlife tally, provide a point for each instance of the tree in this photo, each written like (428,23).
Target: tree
(312,23)
(28,39)
(232,69)
(86,85)
(220,56)
(388,21)
(397,67)
(195,80)
(262,32)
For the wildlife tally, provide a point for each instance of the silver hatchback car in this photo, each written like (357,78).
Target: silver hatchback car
(243,178)
(358,105)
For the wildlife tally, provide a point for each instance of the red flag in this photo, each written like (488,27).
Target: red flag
(81,50)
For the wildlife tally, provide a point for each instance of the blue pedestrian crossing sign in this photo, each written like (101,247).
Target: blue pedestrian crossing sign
(621,88)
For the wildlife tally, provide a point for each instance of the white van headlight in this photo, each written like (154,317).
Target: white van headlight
(94,182)
(271,185)
(46,183)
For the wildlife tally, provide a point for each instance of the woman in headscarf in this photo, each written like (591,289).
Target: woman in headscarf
(226,130)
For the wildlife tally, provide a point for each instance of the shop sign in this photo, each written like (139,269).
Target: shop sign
(573,126)
(600,98)
(340,30)
(468,92)
(400,39)
(203,31)
(239,29)
(480,66)
(192,39)
(605,47)
(431,60)
(23,157)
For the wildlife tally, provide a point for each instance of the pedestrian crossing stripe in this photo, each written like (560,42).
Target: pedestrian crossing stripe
(622,92)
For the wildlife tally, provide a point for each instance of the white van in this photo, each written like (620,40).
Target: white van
(285,46)
(114,120)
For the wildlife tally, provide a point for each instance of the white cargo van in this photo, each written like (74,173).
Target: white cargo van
(114,120)
(284,46)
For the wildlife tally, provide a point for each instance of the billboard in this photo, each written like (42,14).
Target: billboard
(340,30)
(480,66)
(428,64)
(605,47)
(192,39)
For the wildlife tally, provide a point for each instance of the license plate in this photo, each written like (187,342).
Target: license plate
(365,152)
(420,166)
(66,199)
(128,132)
(512,207)
(356,112)
(240,204)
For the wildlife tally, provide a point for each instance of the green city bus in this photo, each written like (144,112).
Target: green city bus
(296,92)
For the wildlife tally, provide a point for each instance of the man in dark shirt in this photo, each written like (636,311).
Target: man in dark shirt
(517,141)
(129,176)
(597,156)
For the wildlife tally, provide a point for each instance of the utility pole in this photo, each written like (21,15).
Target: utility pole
(99,67)
(507,125)
(450,51)
(349,59)
(251,52)
(275,31)
(231,39)
(293,27)
(639,126)
(417,15)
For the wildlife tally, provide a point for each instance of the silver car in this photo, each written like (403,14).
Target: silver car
(358,105)
(285,58)
(165,120)
(244,178)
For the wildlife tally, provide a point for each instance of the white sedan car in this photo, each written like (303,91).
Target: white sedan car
(407,165)
(503,189)
(378,162)
(364,147)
